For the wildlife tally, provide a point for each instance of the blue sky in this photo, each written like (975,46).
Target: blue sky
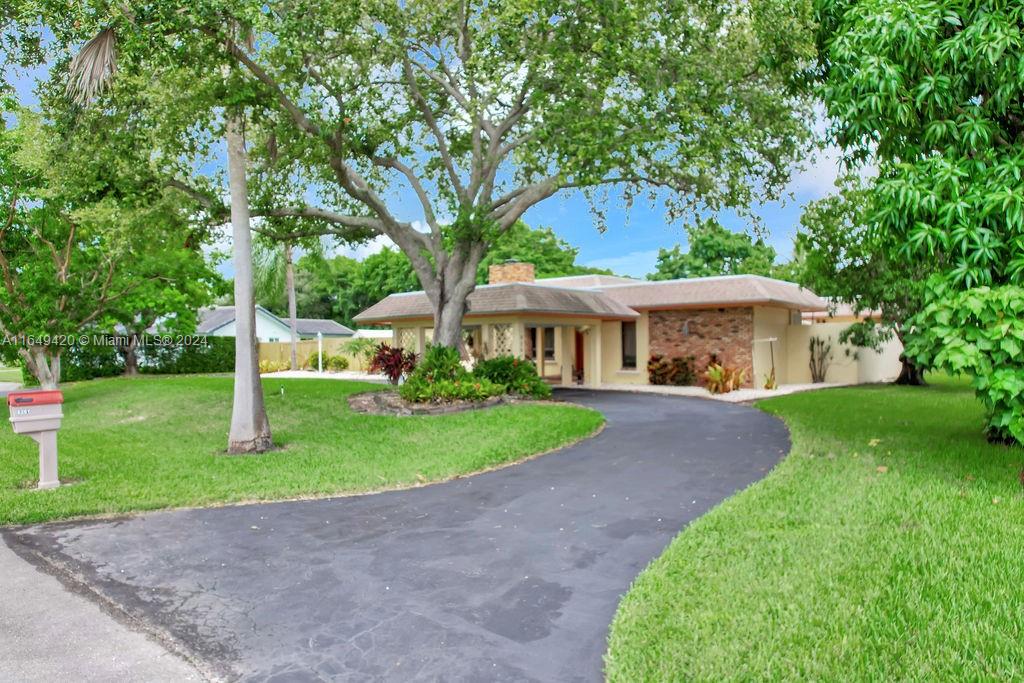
(631,242)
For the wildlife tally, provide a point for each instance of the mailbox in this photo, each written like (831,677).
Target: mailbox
(38,414)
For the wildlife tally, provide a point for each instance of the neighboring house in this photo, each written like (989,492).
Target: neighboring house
(599,329)
(219,321)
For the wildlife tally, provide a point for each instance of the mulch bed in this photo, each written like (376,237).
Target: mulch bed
(390,403)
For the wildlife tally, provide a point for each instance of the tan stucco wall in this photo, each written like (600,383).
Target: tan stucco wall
(849,363)
(771,323)
(612,371)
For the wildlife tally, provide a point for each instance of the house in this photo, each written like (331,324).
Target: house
(219,321)
(600,330)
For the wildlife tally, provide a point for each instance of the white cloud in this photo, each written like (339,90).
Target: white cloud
(361,251)
(635,263)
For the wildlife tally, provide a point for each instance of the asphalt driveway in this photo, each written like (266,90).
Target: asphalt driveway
(510,575)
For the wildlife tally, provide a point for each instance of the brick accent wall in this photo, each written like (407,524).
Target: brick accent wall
(499,273)
(727,332)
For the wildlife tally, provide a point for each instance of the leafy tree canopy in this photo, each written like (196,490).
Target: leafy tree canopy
(715,250)
(483,109)
(89,241)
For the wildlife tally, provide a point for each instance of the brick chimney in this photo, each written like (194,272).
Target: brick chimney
(510,271)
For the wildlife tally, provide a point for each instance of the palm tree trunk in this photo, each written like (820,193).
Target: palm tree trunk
(289,280)
(250,429)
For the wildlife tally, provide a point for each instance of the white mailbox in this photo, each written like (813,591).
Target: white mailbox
(38,414)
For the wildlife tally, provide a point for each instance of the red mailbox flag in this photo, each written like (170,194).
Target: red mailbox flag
(35,398)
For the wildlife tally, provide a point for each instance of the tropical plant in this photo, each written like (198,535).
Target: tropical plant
(519,376)
(721,379)
(979,332)
(820,358)
(440,363)
(361,348)
(336,363)
(417,389)
(930,93)
(393,362)
(770,382)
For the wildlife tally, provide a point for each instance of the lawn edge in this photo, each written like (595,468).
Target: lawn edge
(4,528)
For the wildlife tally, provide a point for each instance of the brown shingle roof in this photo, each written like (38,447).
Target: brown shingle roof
(504,298)
(727,290)
(609,301)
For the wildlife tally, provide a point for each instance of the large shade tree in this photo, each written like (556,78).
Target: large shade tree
(481,110)
(932,92)
(843,258)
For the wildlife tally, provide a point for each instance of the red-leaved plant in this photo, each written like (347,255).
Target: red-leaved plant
(393,362)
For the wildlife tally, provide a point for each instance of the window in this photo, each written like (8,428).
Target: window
(549,343)
(629,346)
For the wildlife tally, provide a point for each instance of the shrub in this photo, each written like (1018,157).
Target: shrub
(721,379)
(392,362)
(519,376)
(335,363)
(678,371)
(979,332)
(215,354)
(441,363)
(417,389)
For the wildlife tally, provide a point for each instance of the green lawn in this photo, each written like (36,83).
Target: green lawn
(146,443)
(10,374)
(889,545)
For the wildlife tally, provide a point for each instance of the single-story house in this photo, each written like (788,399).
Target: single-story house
(219,321)
(600,330)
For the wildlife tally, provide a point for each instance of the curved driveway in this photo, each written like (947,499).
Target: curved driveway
(509,575)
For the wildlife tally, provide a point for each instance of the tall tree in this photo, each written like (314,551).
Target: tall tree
(841,257)
(88,240)
(715,250)
(484,109)
(274,278)
(932,92)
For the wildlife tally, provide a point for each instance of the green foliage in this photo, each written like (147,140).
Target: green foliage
(550,255)
(979,332)
(215,354)
(336,363)
(678,371)
(82,362)
(930,92)
(841,257)
(362,348)
(518,375)
(715,250)
(418,389)
(440,363)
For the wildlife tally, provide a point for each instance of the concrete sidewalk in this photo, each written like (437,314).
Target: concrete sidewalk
(48,633)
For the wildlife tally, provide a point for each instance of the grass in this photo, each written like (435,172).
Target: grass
(148,443)
(10,374)
(886,546)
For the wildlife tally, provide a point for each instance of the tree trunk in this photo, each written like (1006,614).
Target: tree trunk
(451,307)
(131,359)
(250,429)
(289,280)
(43,365)
(910,374)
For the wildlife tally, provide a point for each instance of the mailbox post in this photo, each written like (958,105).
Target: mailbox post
(38,414)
